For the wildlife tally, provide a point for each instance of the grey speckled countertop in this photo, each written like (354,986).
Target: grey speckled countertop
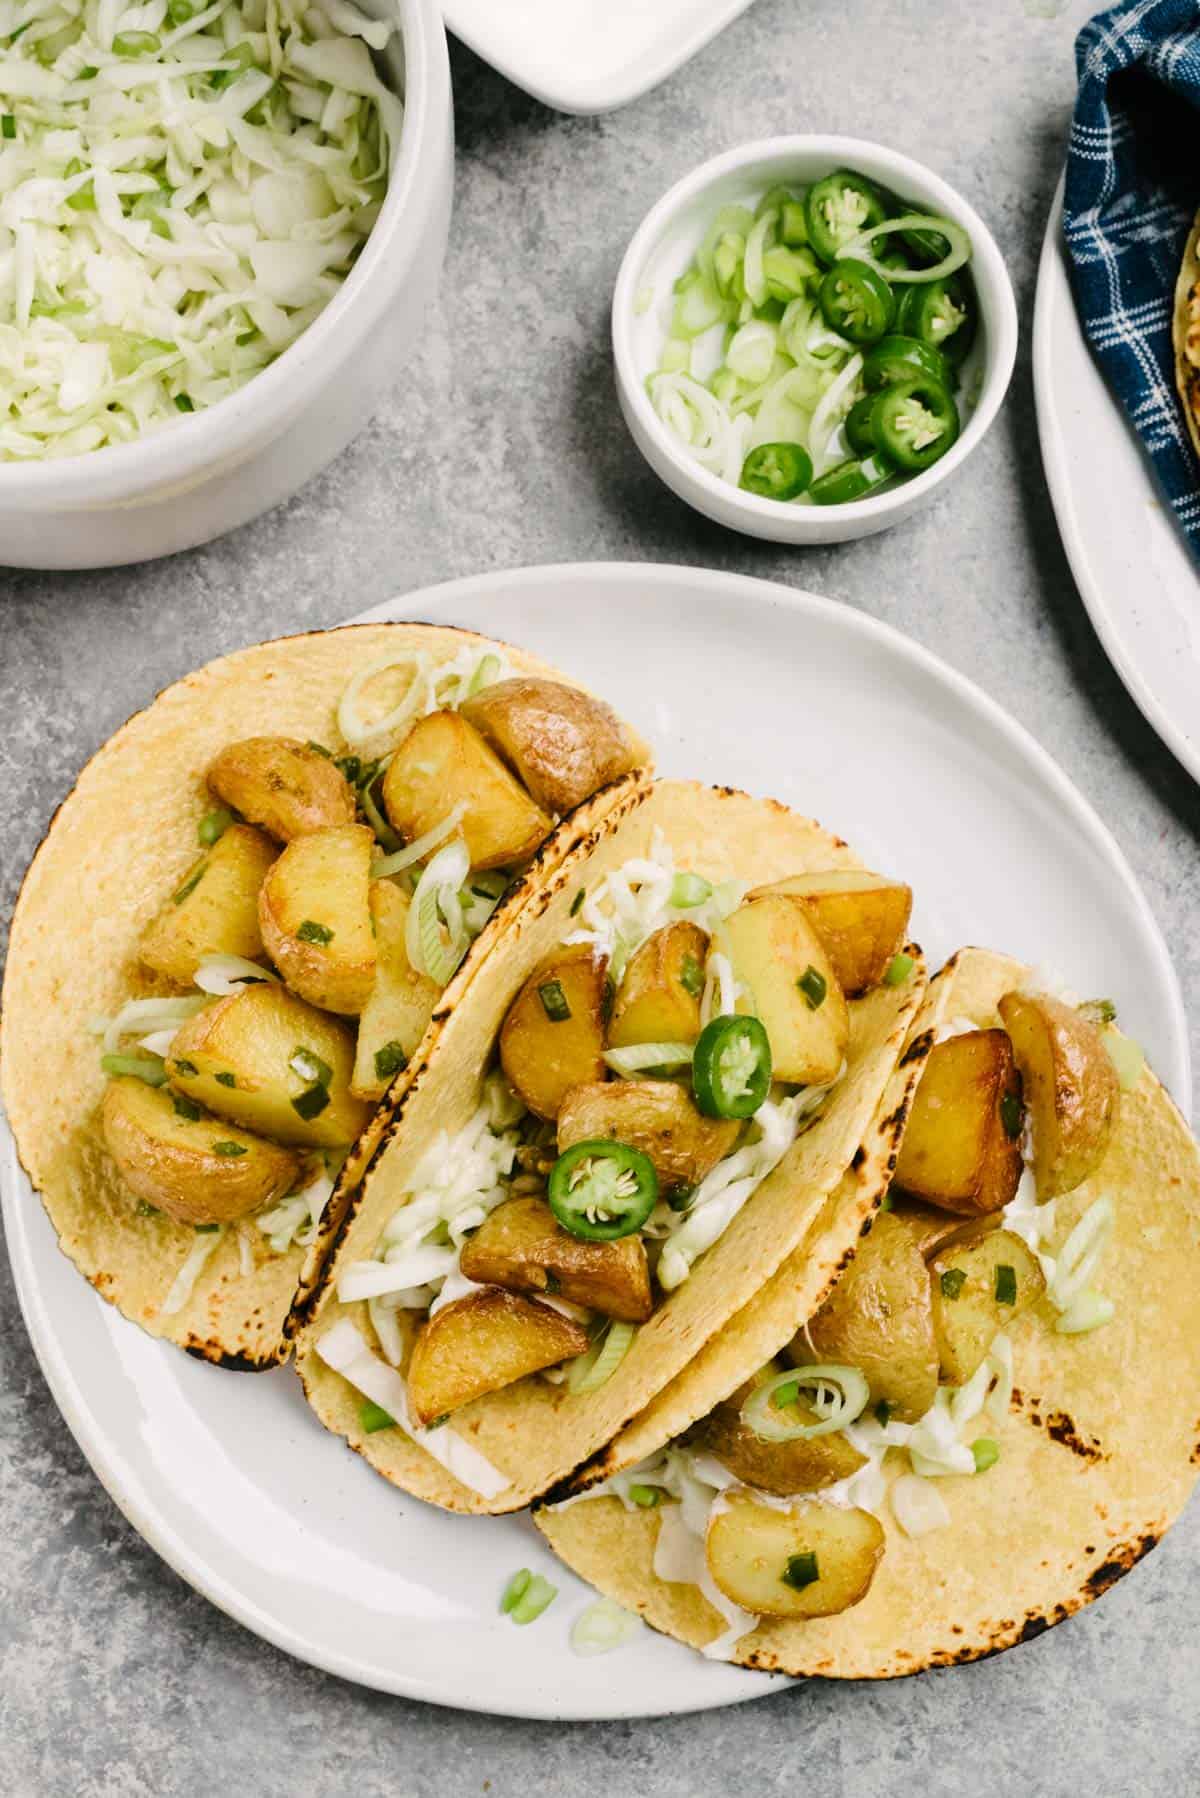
(503,446)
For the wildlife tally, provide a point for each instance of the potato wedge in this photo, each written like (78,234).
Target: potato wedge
(929,1227)
(553,1036)
(397,1013)
(962,1147)
(658,1000)
(482,1342)
(198,1169)
(444,762)
(1071,1088)
(214,909)
(282,784)
(235,1059)
(980,1282)
(781,1468)
(562,744)
(315,915)
(655,1116)
(879,1318)
(861,918)
(521,1248)
(813,1560)
(773,947)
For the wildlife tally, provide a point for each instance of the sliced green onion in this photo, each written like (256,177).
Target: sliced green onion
(186,1108)
(986,1453)
(8,125)
(605,1625)
(312,1103)
(313,932)
(419,848)
(1090,1311)
(786,1395)
(690,889)
(1006,1284)
(389,1060)
(899,969)
(310,1067)
(801,1570)
(373,1417)
(958,251)
(190,884)
(589,1371)
(437,896)
(150,1068)
(385,835)
(487,671)
(577,901)
(225,1079)
(229,1150)
(554,1001)
(526,1596)
(840,1396)
(1099,1011)
(952,1282)
(637,1057)
(206,1229)
(515,1590)
(646,1497)
(691,976)
(883,1412)
(1126,1056)
(212,827)
(813,985)
(1011,1115)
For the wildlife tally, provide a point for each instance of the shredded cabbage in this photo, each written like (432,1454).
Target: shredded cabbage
(183,191)
(644,895)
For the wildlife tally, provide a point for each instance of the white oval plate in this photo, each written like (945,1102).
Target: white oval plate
(1130,564)
(231,1479)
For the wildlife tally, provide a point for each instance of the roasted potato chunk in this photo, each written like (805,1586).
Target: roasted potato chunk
(929,1227)
(810,1561)
(980,1282)
(658,1000)
(444,762)
(397,1013)
(774,947)
(553,1036)
(282,784)
(480,1343)
(879,1318)
(861,918)
(781,1468)
(1071,1088)
(655,1116)
(260,1058)
(521,1248)
(962,1148)
(315,914)
(197,1169)
(561,743)
(214,909)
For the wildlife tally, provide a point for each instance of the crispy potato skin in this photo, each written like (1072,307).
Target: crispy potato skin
(749,1545)
(773,945)
(956,1152)
(653,1005)
(562,744)
(217,916)
(861,918)
(283,785)
(252,1036)
(521,1247)
(879,1318)
(401,1001)
(169,1161)
(323,878)
(966,1325)
(781,1468)
(482,1342)
(443,762)
(542,1059)
(655,1116)
(1071,1088)
(929,1227)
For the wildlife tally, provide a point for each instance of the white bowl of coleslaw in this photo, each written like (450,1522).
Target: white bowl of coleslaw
(214,466)
(644,305)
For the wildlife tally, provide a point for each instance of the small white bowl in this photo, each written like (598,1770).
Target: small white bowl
(222,466)
(662,249)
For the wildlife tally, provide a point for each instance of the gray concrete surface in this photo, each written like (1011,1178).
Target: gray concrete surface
(503,446)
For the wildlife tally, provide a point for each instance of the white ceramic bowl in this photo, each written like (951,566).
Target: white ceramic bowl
(663,247)
(224,465)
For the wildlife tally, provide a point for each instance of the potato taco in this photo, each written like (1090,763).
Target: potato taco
(1186,334)
(247,921)
(631,1119)
(954,1446)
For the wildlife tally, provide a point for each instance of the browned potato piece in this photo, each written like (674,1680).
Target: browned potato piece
(773,947)
(879,1319)
(962,1148)
(397,1014)
(561,743)
(214,909)
(781,1468)
(316,917)
(861,918)
(1071,1088)
(521,1247)
(972,1278)
(813,1560)
(197,1169)
(655,1116)
(553,1036)
(658,1000)
(442,762)
(929,1227)
(283,785)
(483,1342)
(234,1058)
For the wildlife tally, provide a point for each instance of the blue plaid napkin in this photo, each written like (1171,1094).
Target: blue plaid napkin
(1132,190)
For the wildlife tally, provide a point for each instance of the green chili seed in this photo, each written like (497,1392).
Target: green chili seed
(814,987)
(801,1570)
(952,1282)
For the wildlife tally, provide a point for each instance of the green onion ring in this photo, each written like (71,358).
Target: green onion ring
(960,248)
(769,1424)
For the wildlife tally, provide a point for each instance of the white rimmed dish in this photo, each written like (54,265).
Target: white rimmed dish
(224,465)
(661,250)
(231,1479)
